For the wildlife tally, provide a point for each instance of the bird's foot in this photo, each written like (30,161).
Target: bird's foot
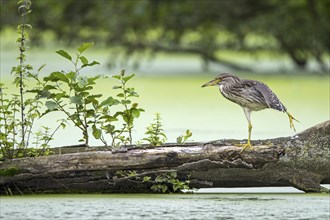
(291,119)
(245,146)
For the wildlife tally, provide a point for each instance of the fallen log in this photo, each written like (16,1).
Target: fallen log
(301,161)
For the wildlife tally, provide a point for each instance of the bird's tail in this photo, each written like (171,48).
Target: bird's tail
(291,119)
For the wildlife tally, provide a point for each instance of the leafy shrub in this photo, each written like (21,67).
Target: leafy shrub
(72,94)
(155,132)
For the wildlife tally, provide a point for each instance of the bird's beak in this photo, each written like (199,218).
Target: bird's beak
(212,82)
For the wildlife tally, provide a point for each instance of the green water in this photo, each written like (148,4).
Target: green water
(145,206)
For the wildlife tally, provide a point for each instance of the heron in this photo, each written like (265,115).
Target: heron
(251,95)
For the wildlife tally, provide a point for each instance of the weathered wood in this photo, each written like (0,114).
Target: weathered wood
(302,161)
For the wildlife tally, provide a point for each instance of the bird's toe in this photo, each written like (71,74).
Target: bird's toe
(245,146)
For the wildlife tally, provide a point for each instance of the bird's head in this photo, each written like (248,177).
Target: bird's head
(222,79)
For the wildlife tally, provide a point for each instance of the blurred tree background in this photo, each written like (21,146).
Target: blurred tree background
(299,29)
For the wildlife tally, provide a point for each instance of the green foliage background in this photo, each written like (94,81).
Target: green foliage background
(297,28)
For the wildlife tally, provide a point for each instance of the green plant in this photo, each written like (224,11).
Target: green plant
(8,126)
(10,171)
(183,138)
(130,110)
(67,91)
(160,183)
(167,182)
(19,112)
(10,137)
(126,173)
(42,139)
(22,70)
(71,94)
(155,132)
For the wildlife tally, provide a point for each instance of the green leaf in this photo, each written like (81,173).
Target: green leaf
(117,87)
(133,93)
(61,95)
(49,87)
(134,105)
(89,114)
(91,99)
(91,64)
(91,80)
(64,54)
(63,125)
(117,77)
(109,128)
(96,132)
(71,75)
(173,174)
(41,67)
(95,96)
(51,105)
(128,77)
(57,76)
(164,188)
(109,102)
(176,187)
(125,102)
(85,46)
(76,100)
(179,140)
(159,179)
(188,133)
(135,112)
(44,94)
(83,60)
(146,179)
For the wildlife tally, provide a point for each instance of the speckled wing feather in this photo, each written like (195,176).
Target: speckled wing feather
(269,96)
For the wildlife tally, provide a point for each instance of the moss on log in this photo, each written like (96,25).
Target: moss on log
(301,161)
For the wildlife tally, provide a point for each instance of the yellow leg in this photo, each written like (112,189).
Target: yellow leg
(291,118)
(248,144)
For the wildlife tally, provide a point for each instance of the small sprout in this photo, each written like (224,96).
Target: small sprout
(183,138)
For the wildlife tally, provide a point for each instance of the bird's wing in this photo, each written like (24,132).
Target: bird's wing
(269,96)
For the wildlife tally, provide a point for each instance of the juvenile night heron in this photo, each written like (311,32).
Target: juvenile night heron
(251,95)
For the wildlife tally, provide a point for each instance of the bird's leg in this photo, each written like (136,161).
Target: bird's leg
(248,144)
(249,137)
(291,118)
(248,117)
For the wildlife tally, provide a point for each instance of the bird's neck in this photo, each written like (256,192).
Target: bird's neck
(222,90)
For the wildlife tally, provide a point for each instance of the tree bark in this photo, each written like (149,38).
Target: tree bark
(301,161)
